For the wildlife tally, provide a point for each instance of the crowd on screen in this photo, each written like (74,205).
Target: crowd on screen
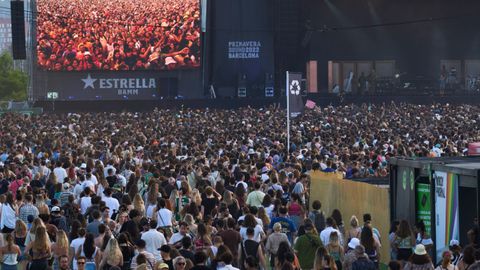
(118,35)
(213,189)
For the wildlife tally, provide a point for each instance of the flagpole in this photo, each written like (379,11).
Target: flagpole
(288,113)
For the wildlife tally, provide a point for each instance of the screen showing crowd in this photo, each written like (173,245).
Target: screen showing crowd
(118,34)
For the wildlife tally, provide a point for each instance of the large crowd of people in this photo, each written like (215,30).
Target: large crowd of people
(213,189)
(118,35)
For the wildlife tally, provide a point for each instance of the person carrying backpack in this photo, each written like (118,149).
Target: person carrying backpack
(317,216)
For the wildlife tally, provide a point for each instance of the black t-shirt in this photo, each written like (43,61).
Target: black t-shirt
(209,204)
(112,180)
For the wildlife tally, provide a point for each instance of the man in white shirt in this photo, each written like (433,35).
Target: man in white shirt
(325,234)
(109,166)
(255,198)
(164,216)
(110,202)
(176,238)
(242,182)
(76,244)
(154,240)
(60,172)
(85,201)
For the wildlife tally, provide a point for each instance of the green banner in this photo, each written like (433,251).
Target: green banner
(424,209)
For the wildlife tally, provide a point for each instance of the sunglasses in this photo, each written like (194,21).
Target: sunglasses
(181,263)
(80,263)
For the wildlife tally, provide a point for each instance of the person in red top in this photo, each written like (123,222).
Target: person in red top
(16,184)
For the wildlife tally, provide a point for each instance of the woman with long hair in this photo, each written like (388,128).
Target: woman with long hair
(39,249)
(60,248)
(127,249)
(31,234)
(76,225)
(250,222)
(202,241)
(337,216)
(89,250)
(404,241)
(20,236)
(232,203)
(391,238)
(41,205)
(138,204)
(372,247)
(283,252)
(335,250)
(112,256)
(446,263)
(262,215)
(9,254)
(9,213)
(151,202)
(323,260)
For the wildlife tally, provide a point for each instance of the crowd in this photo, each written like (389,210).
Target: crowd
(211,189)
(118,35)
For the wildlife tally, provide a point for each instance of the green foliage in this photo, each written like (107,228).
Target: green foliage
(13,83)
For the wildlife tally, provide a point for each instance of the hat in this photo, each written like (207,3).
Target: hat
(265,170)
(162,265)
(66,186)
(55,209)
(354,242)
(454,242)
(251,151)
(83,166)
(265,177)
(420,250)
(140,148)
(165,248)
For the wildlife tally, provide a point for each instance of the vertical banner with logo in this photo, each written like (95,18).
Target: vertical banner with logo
(446,210)
(294,99)
(294,90)
(424,209)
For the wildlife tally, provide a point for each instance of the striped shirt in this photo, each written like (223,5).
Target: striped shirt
(27,210)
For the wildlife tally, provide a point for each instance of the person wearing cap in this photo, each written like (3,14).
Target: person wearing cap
(419,260)
(306,246)
(362,262)
(456,250)
(350,255)
(57,219)
(162,266)
(273,242)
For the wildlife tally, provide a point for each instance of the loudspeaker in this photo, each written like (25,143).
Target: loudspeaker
(18,30)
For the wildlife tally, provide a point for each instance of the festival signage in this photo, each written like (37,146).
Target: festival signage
(446,210)
(424,209)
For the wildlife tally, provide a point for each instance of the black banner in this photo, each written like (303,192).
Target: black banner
(243,44)
(294,93)
(104,85)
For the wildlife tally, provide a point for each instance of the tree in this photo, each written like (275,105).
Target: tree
(13,83)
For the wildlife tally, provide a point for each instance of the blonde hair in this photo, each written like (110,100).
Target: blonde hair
(189,219)
(37,223)
(62,240)
(354,221)
(41,243)
(262,214)
(20,227)
(196,198)
(138,203)
(334,239)
(113,252)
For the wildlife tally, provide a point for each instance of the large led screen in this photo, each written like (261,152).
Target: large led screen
(86,35)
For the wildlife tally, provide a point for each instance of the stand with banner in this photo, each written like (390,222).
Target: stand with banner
(295,104)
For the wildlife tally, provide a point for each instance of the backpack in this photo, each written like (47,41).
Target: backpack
(363,264)
(90,266)
(318,218)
